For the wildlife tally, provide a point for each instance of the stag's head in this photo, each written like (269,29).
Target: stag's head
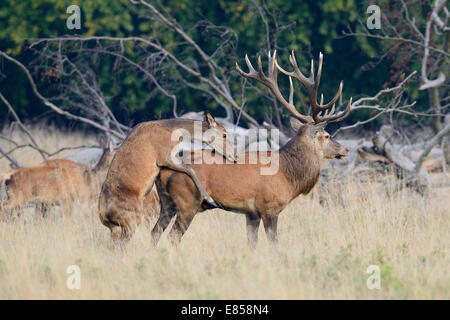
(215,136)
(311,128)
(319,139)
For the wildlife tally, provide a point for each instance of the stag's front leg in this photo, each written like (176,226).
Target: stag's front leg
(182,223)
(253,222)
(160,226)
(167,212)
(270,222)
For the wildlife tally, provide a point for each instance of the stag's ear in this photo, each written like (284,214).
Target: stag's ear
(209,119)
(295,124)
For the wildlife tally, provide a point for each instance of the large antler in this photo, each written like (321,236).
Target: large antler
(272,83)
(311,85)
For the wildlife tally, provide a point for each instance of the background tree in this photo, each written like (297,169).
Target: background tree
(142,60)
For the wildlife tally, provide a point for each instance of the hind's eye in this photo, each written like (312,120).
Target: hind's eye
(224,135)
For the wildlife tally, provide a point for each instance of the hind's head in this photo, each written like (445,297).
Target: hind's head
(215,135)
(108,154)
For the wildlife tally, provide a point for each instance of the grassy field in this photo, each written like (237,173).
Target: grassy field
(324,251)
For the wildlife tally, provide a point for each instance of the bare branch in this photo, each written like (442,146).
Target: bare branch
(426,83)
(148,74)
(435,140)
(56,108)
(7,155)
(22,126)
(397,90)
(216,84)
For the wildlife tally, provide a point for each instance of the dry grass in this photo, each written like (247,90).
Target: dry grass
(323,253)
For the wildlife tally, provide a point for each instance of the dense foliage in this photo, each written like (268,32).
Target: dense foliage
(307,27)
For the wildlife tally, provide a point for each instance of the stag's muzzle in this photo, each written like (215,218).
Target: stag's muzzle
(342,153)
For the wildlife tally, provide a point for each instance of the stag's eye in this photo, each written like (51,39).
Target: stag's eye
(224,135)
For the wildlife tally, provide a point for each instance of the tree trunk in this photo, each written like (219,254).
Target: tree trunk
(436,104)
(435,100)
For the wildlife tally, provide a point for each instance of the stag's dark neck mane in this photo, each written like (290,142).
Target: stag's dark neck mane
(300,162)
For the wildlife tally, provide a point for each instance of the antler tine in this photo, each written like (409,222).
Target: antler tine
(333,108)
(271,82)
(339,116)
(328,112)
(333,101)
(289,74)
(291,92)
(272,62)
(307,82)
(252,72)
(320,112)
(316,87)
(249,65)
(297,74)
(312,85)
(318,108)
(260,69)
(319,73)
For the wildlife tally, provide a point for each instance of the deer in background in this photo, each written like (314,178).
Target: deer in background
(58,182)
(137,163)
(241,187)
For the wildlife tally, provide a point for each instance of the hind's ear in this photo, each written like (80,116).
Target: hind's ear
(103,141)
(106,143)
(209,119)
(110,146)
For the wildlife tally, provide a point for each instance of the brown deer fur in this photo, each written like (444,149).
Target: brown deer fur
(52,182)
(235,187)
(137,164)
(57,182)
(241,187)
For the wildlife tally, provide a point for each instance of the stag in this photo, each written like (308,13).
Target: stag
(241,187)
(137,163)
